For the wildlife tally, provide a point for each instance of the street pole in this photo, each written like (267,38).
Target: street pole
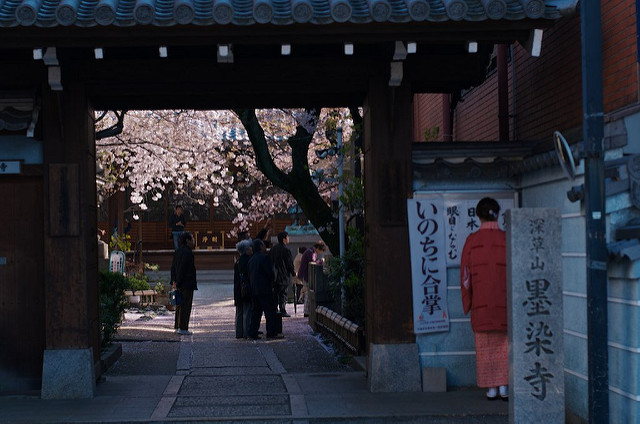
(593,133)
(341,215)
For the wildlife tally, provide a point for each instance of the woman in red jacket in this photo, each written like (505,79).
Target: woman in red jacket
(483,281)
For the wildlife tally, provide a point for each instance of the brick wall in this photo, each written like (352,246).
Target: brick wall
(427,113)
(548,89)
(619,54)
(476,115)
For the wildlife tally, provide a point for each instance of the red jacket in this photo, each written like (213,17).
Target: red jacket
(483,278)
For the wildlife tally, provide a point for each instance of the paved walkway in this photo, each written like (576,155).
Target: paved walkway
(213,377)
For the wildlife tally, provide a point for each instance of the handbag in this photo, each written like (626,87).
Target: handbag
(175,297)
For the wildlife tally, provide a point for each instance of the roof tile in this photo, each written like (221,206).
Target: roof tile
(123,13)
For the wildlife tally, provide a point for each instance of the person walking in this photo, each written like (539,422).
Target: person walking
(282,261)
(483,281)
(183,277)
(242,289)
(311,255)
(177,223)
(261,278)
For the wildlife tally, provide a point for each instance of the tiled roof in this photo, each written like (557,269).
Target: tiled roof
(125,13)
(625,249)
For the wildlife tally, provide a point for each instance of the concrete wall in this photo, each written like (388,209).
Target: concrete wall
(547,188)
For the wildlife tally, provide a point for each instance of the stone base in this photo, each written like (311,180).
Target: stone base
(68,374)
(394,368)
(434,379)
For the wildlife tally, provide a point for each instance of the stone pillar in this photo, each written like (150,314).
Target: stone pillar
(70,249)
(534,293)
(394,364)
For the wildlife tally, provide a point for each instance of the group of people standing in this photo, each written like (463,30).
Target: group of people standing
(261,284)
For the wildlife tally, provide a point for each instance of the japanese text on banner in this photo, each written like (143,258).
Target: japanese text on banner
(428,265)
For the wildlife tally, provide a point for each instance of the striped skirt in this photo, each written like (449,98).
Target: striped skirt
(492,359)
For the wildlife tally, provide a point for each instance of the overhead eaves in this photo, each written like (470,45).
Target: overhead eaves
(162,13)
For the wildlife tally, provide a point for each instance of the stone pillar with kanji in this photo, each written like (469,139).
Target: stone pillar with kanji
(535,320)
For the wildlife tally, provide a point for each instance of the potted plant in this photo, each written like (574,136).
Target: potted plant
(162,293)
(138,283)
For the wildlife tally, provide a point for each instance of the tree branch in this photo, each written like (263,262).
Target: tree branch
(264,161)
(298,182)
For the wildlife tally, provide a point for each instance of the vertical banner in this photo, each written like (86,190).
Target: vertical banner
(428,264)
(461,220)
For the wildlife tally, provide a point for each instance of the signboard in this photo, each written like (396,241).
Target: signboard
(209,240)
(116,261)
(428,265)
(9,167)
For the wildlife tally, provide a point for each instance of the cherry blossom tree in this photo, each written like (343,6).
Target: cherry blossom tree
(265,156)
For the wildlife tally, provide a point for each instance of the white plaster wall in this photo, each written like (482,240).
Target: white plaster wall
(547,188)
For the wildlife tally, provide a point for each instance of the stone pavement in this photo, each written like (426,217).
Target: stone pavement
(211,376)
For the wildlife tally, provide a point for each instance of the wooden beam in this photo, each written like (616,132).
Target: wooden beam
(433,32)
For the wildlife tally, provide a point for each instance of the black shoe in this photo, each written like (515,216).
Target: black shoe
(276,336)
(254,337)
(306,315)
(284,314)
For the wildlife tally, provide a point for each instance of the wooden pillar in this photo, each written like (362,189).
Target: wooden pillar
(393,357)
(70,245)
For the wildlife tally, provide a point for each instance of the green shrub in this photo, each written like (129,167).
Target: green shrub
(348,271)
(112,303)
(139,282)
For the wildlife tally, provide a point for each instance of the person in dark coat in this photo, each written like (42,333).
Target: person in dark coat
(261,278)
(177,223)
(265,234)
(183,277)
(311,255)
(242,300)
(282,261)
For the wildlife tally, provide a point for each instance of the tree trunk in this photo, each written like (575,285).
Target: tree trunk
(298,181)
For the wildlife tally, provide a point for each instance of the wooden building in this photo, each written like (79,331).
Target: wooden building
(61,60)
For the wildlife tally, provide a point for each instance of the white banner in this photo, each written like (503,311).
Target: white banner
(428,264)
(461,220)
